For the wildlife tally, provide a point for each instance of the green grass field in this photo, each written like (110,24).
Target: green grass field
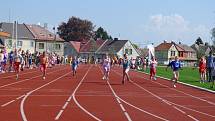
(187,75)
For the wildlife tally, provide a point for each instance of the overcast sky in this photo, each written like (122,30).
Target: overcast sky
(142,21)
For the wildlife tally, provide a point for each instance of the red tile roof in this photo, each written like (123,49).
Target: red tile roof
(40,33)
(88,46)
(163,46)
(76,45)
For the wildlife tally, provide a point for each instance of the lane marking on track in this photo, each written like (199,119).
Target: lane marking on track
(26,96)
(72,96)
(128,117)
(7,103)
(156,96)
(193,118)
(35,70)
(19,74)
(119,102)
(175,103)
(3,105)
(209,102)
(137,108)
(27,79)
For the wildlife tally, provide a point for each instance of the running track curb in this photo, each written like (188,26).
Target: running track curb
(193,86)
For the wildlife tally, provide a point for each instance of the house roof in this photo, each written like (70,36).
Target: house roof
(163,46)
(112,46)
(4,34)
(76,45)
(22,30)
(40,33)
(183,47)
(91,45)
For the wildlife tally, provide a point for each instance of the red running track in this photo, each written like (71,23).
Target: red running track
(87,97)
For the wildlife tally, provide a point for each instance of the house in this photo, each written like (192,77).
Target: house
(20,37)
(3,36)
(118,48)
(46,40)
(167,51)
(98,49)
(186,54)
(204,49)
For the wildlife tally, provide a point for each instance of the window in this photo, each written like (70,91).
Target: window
(10,43)
(180,54)
(57,47)
(126,51)
(32,44)
(130,52)
(41,46)
(172,53)
(19,43)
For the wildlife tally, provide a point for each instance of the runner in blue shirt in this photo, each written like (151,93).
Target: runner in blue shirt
(126,67)
(74,65)
(175,65)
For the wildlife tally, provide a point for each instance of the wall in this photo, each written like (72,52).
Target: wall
(50,47)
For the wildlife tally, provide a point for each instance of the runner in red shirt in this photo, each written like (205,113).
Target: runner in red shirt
(202,70)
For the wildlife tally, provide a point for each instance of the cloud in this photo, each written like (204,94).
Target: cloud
(174,27)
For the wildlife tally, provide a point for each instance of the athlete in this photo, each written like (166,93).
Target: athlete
(175,65)
(74,64)
(43,63)
(106,67)
(17,61)
(126,67)
(202,70)
(153,65)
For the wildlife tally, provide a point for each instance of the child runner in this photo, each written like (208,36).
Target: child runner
(153,65)
(43,64)
(175,65)
(126,64)
(106,67)
(213,74)
(202,70)
(74,65)
(1,61)
(17,61)
(11,61)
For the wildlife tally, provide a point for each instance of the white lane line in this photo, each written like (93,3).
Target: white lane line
(118,100)
(116,97)
(212,103)
(193,118)
(72,96)
(179,110)
(20,97)
(59,114)
(156,96)
(7,103)
(3,105)
(27,79)
(64,107)
(19,74)
(26,96)
(185,107)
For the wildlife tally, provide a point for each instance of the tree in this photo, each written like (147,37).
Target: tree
(76,29)
(213,36)
(135,46)
(199,41)
(101,33)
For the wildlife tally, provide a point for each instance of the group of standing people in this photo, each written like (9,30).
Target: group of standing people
(207,69)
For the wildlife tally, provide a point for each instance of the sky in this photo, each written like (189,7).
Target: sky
(141,21)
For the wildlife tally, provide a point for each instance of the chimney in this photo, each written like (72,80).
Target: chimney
(164,41)
(115,39)
(179,42)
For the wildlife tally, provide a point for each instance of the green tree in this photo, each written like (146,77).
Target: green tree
(199,41)
(213,36)
(76,29)
(101,33)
